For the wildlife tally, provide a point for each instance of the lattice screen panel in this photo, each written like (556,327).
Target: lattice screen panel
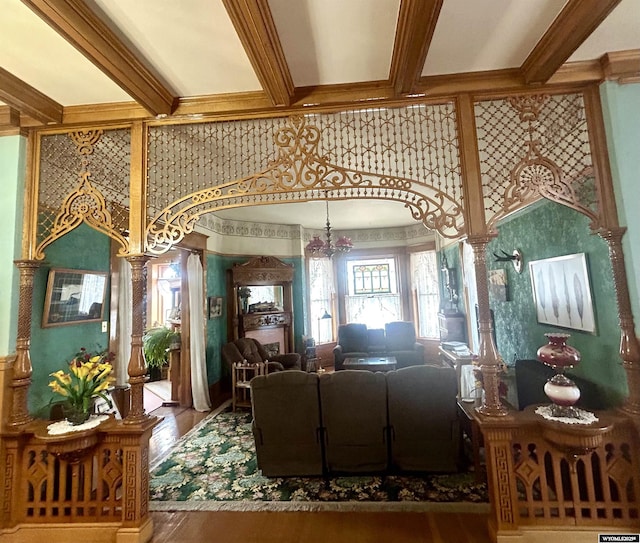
(64,157)
(532,146)
(418,142)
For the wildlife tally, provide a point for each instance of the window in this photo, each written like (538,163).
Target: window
(321,292)
(424,279)
(373,295)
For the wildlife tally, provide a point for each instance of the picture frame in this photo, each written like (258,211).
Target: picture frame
(214,307)
(498,284)
(74,297)
(562,292)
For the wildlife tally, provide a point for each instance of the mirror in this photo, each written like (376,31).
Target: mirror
(74,296)
(265,298)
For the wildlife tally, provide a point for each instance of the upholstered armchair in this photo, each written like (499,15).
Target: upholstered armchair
(252,351)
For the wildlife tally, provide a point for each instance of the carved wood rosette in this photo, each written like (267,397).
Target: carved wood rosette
(22,365)
(489,361)
(300,174)
(629,348)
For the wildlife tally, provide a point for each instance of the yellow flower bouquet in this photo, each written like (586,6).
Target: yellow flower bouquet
(89,376)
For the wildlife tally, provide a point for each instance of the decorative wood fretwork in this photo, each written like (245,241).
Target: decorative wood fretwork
(83,177)
(545,474)
(301,172)
(535,146)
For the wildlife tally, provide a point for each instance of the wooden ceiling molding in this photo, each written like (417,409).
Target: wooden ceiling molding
(254,24)
(416,24)
(575,23)
(9,116)
(73,20)
(17,94)
(622,66)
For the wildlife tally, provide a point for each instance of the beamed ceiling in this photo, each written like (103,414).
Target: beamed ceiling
(73,61)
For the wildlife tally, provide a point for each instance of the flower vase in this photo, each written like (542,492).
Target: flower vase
(78,413)
(561,390)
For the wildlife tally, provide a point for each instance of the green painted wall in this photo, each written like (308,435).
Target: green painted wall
(51,348)
(621,111)
(217,267)
(547,230)
(12,167)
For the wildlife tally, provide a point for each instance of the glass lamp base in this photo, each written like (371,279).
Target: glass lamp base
(564,393)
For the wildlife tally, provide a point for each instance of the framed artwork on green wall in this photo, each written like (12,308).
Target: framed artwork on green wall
(562,292)
(74,297)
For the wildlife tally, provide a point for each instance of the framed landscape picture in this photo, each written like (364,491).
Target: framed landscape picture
(562,292)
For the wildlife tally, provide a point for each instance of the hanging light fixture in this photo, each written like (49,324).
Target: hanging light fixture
(318,248)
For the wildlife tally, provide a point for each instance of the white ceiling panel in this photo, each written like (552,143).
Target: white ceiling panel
(618,32)
(487,34)
(192,43)
(333,41)
(35,53)
(344,215)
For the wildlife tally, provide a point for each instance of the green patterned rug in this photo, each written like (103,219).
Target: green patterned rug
(213,467)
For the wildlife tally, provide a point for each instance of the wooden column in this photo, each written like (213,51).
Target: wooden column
(137,366)
(489,361)
(22,366)
(629,349)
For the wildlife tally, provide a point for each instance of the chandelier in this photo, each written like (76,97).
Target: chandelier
(318,248)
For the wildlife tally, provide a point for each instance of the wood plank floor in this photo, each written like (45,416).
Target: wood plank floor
(299,527)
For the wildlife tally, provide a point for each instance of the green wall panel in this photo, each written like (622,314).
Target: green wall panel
(52,348)
(547,230)
(12,166)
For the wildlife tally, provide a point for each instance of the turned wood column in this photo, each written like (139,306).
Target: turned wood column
(489,361)
(137,366)
(629,349)
(22,365)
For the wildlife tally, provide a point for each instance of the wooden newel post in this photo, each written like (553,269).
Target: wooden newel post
(22,366)
(489,360)
(629,349)
(137,366)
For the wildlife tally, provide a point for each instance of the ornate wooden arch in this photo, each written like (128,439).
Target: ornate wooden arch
(300,174)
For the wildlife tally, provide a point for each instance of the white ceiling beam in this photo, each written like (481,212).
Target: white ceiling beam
(73,20)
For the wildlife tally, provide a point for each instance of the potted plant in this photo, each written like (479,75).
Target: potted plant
(156,344)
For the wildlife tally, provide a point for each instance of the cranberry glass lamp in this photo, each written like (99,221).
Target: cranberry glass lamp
(561,390)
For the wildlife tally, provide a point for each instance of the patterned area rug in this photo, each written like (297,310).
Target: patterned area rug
(213,467)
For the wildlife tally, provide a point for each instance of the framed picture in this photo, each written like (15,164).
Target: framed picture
(498,285)
(562,292)
(215,306)
(74,297)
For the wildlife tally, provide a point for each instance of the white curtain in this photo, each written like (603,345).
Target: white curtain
(124,323)
(199,383)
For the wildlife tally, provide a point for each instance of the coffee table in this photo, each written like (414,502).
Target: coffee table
(373,363)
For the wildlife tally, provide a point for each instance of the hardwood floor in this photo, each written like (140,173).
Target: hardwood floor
(299,527)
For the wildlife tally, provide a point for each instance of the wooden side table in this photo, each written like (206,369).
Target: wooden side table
(241,376)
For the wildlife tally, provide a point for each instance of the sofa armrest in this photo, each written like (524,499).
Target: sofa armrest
(418,347)
(290,361)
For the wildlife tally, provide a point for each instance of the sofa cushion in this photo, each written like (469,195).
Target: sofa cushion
(353,337)
(249,350)
(376,342)
(400,336)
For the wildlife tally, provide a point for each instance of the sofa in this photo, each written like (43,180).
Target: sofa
(397,339)
(356,421)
